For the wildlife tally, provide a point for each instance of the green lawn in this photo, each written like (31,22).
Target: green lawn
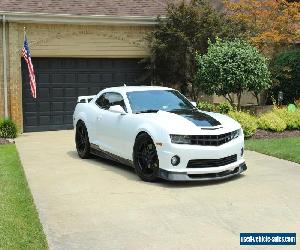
(285,148)
(20,227)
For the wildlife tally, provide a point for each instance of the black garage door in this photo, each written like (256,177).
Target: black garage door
(61,80)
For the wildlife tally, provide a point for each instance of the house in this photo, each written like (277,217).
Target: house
(77,48)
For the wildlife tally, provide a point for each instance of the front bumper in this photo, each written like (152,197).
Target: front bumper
(184,176)
(183,172)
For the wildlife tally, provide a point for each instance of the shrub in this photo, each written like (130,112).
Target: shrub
(247,121)
(8,129)
(271,121)
(206,106)
(224,107)
(291,118)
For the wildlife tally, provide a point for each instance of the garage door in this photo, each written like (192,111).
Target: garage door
(61,80)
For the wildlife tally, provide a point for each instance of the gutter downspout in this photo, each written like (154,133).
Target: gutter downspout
(4,67)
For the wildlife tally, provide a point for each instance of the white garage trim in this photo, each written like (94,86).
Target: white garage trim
(26,17)
(4,67)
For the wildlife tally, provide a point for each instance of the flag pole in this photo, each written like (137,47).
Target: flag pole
(24,32)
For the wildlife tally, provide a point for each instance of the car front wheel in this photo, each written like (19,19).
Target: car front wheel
(146,161)
(82,141)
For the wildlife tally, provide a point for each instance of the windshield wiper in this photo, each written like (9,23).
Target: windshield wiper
(148,111)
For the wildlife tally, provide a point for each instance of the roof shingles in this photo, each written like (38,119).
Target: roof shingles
(87,7)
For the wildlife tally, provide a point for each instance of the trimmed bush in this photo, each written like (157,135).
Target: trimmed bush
(8,129)
(247,121)
(206,106)
(271,121)
(291,118)
(224,107)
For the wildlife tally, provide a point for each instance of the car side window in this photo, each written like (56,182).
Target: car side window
(106,100)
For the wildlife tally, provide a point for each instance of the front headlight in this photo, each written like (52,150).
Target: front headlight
(181,139)
(236,133)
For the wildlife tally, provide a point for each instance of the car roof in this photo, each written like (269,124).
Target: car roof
(125,89)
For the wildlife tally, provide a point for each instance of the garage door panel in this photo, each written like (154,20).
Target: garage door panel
(69,106)
(61,80)
(57,92)
(31,120)
(57,106)
(83,91)
(70,78)
(42,93)
(70,92)
(44,107)
(68,119)
(57,119)
(94,90)
(31,107)
(58,78)
(83,78)
(44,120)
(95,78)
(43,79)
(107,78)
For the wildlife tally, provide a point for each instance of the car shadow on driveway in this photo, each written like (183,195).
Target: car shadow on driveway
(129,173)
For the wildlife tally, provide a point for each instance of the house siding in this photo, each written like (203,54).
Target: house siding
(58,40)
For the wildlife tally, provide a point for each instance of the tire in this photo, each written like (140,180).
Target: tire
(82,141)
(145,159)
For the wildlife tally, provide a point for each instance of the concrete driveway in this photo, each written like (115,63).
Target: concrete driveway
(98,204)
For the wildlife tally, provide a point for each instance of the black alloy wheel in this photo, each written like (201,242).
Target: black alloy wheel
(82,141)
(146,161)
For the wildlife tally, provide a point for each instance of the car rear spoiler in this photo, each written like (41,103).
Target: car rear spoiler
(85,99)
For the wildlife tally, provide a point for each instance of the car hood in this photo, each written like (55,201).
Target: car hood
(192,122)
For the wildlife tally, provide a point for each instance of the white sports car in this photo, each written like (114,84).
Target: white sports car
(160,133)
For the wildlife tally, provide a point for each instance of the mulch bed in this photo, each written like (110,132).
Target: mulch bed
(263,134)
(5,141)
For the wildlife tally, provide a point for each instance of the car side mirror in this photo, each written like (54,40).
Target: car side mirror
(117,109)
(194,104)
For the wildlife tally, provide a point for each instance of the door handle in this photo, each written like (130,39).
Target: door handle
(99,117)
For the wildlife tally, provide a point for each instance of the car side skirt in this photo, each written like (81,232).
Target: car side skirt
(96,150)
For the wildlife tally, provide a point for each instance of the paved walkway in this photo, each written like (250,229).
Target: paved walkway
(97,204)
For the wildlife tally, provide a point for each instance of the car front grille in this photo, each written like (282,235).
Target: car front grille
(210,163)
(212,140)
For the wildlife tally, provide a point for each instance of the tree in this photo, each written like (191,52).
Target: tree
(232,67)
(272,24)
(289,85)
(183,33)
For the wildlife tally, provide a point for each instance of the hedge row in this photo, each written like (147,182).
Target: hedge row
(276,120)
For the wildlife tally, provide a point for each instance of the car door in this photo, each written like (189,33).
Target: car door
(109,125)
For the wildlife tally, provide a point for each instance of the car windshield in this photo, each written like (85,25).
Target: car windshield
(154,100)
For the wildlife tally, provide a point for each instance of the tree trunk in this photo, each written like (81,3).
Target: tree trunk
(257,97)
(229,99)
(239,95)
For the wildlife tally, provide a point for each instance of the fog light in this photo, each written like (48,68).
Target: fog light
(242,151)
(175,160)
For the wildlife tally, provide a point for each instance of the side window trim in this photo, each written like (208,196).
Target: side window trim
(107,93)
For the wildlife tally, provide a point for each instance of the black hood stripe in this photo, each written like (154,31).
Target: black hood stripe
(198,118)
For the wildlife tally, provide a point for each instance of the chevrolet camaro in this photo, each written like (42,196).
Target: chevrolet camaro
(160,133)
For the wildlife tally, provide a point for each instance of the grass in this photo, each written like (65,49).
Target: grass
(20,227)
(285,148)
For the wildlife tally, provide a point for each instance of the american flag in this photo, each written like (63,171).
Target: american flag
(27,57)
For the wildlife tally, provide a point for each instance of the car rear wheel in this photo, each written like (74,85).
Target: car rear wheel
(146,161)
(82,141)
